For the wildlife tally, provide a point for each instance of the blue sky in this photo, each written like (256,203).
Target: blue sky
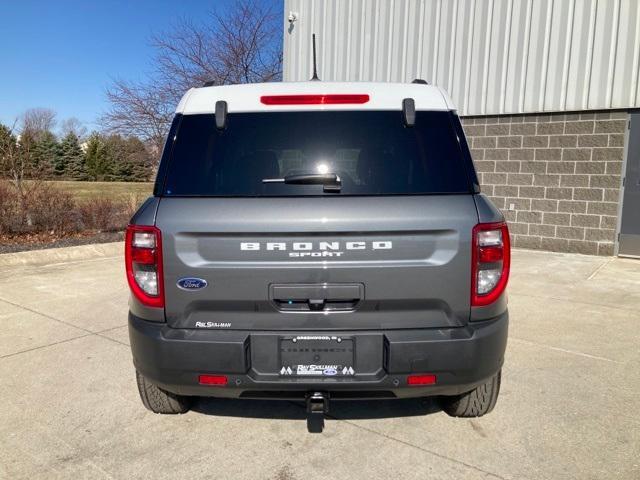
(63,54)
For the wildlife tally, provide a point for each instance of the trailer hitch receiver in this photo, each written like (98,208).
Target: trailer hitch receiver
(317,403)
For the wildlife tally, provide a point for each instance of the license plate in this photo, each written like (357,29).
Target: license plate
(316,356)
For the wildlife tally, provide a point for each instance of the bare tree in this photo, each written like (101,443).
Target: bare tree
(241,45)
(73,125)
(141,110)
(36,121)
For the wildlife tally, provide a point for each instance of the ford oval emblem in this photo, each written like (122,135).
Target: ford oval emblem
(191,283)
(330,371)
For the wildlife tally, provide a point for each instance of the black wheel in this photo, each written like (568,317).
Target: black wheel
(476,403)
(160,401)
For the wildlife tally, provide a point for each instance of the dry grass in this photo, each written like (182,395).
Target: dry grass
(83,191)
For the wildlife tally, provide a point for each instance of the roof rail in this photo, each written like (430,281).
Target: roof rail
(420,81)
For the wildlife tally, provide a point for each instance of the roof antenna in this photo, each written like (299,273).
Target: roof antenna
(315,70)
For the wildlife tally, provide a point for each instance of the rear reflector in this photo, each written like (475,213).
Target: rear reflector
(213,380)
(329,99)
(423,379)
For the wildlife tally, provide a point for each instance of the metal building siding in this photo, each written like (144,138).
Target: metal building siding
(492,56)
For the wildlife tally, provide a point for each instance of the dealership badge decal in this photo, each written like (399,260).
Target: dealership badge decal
(318,370)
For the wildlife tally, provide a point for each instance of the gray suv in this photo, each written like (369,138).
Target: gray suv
(318,241)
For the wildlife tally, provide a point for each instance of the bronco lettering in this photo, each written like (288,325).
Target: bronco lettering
(323,246)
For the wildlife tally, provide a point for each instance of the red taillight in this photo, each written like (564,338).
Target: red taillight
(422,379)
(490,254)
(328,99)
(213,380)
(145,256)
(490,261)
(143,260)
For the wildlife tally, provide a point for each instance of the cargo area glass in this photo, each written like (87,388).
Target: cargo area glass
(371,152)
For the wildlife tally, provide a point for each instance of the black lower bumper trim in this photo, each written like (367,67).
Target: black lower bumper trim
(461,358)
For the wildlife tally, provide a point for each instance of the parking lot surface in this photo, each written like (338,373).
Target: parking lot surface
(569,405)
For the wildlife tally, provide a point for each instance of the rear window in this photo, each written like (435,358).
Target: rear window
(372,152)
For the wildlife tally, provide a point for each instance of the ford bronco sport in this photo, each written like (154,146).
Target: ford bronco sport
(318,241)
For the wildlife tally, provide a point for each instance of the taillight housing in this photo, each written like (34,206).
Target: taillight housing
(490,262)
(143,258)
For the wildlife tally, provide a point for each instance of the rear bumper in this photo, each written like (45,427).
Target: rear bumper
(461,358)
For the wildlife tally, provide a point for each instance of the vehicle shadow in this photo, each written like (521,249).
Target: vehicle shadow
(296,410)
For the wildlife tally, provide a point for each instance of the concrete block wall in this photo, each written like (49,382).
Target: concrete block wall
(556,177)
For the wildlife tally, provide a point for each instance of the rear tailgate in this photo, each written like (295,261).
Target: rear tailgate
(367,262)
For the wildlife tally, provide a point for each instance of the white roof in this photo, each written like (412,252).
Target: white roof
(246,98)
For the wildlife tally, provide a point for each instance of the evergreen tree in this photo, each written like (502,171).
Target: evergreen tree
(5,134)
(7,141)
(46,153)
(139,159)
(73,159)
(97,158)
(116,158)
(117,153)
(59,166)
(128,158)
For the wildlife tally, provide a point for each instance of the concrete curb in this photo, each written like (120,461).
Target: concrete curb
(61,255)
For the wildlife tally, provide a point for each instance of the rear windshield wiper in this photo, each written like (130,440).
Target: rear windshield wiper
(330,181)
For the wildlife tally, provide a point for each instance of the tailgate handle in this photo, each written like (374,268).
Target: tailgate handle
(316,304)
(316,297)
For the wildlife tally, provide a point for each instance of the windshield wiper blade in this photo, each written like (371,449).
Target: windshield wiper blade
(330,181)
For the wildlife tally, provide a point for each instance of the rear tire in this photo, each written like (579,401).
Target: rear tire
(160,401)
(476,403)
